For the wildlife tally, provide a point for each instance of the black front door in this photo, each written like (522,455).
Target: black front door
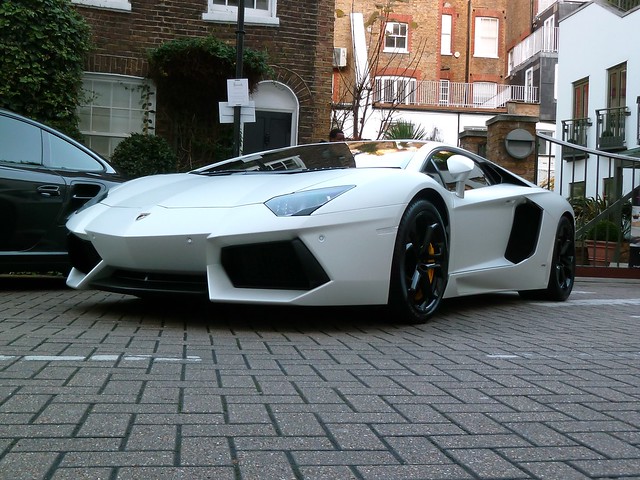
(270,130)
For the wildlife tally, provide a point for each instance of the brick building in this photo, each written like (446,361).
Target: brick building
(292,107)
(438,63)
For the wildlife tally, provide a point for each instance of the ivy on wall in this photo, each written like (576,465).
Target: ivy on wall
(43,44)
(191,77)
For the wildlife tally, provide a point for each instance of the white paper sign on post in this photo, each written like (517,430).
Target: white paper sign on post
(247,112)
(238,92)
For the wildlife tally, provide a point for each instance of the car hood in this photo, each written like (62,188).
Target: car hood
(190,190)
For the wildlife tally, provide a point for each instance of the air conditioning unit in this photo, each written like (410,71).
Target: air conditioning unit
(339,57)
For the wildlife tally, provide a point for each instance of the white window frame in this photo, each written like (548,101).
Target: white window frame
(486,37)
(394,30)
(395,90)
(96,110)
(528,84)
(122,5)
(445,35)
(252,16)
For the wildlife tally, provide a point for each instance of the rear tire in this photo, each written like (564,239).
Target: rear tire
(563,266)
(419,270)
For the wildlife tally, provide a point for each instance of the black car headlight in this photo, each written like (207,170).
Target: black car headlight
(305,202)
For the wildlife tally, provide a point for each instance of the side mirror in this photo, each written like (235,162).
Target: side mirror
(460,167)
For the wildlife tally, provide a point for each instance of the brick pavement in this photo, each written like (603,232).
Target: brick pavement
(103,386)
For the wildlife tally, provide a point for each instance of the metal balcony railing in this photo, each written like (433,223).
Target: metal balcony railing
(458,95)
(624,5)
(575,131)
(611,128)
(544,39)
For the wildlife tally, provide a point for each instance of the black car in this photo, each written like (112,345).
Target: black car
(44,177)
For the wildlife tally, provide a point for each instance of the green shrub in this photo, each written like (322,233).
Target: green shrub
(43,45)
(140,155)
(605,230)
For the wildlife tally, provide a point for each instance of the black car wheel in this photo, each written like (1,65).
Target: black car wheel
(563,266)
(420,264)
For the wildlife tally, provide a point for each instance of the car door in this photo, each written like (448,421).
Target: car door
(482,219)
(32,196)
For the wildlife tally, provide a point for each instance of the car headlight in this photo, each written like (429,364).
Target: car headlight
(305,202)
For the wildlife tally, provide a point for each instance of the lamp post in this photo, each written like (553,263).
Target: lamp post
(239,56)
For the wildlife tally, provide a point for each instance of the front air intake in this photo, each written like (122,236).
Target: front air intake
(287,265)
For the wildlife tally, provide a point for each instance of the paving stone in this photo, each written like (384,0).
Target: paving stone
(491,388)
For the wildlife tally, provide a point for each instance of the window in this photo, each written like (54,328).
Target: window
(577,189)
(581,99)
(109,4)
(65,156)
(486,37)
(114,110)
(609,190)
(445,36)
(396,37)
(617,86)
(256,12)
(395,90)
(528,85)
(20,142)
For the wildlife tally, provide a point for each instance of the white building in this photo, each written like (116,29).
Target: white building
(598,95)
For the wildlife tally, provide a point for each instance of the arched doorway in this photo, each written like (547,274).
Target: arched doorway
(276,122)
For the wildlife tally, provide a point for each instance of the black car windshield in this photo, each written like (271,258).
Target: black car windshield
(319,156)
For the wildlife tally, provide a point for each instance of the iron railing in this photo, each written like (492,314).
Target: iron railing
(604,189)
(611,128)
(575,131)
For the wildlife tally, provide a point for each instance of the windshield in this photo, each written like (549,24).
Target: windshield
(302,157)
(320,156)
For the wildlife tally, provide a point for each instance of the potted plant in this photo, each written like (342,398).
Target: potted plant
(610,229)
(602,242)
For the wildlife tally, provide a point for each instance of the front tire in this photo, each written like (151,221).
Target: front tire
(563,266)
(419,270)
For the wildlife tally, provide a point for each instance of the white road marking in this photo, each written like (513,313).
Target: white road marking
(98,358)
(592,302)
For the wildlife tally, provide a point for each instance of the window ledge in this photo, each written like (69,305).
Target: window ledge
(120,5)
(395,50)
(226,17)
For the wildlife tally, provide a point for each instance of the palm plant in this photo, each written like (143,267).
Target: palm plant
(404,130)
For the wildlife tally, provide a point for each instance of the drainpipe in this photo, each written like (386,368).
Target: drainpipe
(468,64)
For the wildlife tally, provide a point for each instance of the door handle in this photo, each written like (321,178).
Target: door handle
(49,190)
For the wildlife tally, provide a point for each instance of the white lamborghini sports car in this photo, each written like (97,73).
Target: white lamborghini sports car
(399,223)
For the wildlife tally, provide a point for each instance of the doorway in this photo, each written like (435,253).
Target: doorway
(276,122)
(270,130)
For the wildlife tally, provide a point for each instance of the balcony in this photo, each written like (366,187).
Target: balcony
(575,131)
(544,39)
(624,5)
(446,94)
(611,129)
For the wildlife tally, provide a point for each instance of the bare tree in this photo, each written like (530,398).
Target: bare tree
(359,89)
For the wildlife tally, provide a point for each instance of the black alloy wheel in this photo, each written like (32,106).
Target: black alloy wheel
(419,270)
(563,266)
